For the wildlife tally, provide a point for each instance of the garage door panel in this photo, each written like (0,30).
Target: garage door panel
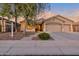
(53,28)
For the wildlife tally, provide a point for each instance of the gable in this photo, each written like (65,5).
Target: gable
(66,20)
(59,19)
(54,20)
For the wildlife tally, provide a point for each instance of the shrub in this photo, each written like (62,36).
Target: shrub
(44,36)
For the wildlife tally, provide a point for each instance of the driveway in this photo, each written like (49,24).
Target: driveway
(66,36)
(63,44)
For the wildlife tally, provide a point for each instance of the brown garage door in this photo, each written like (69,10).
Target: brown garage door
(53,28)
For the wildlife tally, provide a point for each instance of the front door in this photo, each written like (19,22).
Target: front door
(39,27)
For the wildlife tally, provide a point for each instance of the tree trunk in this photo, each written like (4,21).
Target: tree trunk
(2,25)
(25,24)
(15,19)
(16,24)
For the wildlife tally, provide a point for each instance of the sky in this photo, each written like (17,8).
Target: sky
(70,10)
(64,8)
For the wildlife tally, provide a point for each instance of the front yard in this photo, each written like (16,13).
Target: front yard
(17,35)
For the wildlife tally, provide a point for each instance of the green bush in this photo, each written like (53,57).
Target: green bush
(44,36)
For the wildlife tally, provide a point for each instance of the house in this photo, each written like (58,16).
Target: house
(56,23)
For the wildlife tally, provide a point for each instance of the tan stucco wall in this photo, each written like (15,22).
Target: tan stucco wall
(25,25)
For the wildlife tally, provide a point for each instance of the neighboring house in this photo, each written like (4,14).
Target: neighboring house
(5,25)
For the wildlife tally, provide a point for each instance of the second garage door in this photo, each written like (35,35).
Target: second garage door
(66,28)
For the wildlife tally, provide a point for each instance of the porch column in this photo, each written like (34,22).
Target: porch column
(44,27)
(4,26)
(11,29)
(62,27)
(71,28)
(1,25)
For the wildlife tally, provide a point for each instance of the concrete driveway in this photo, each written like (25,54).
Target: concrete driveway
(65,35)
(64,44)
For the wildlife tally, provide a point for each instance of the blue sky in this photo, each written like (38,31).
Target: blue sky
(64,8)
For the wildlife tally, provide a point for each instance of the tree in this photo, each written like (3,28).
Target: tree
(15,11)
(30,10)
(27,10)
(9,10)
(5,11)
(41,7)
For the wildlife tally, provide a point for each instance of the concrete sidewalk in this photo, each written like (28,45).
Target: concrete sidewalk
(60,46)
(40,48)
